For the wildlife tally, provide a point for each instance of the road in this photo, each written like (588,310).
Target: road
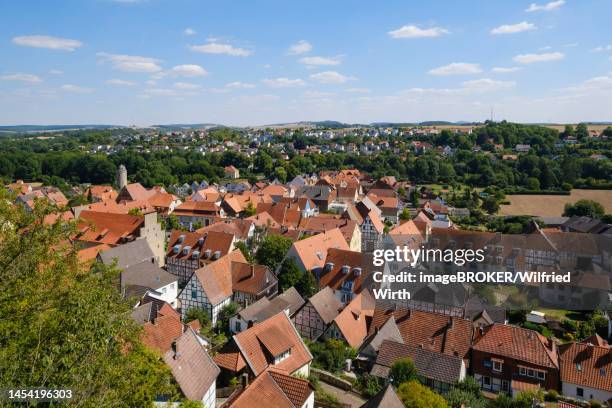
(345,397)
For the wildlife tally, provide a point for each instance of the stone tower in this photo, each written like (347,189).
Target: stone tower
(121,176)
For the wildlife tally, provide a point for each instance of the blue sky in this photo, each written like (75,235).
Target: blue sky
(145,62)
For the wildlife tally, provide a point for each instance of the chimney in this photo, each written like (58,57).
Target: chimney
(251,323)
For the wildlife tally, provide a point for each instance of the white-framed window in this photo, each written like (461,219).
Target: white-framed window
(522,371)
(530,373)
(541,375)
(497,366)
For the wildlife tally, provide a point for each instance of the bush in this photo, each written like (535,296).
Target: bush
(552,395)
(368,385)
(415,395)
(403,371)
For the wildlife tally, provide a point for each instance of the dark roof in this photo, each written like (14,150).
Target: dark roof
(386,398)
(191,366)
(264,308)
(584,224)
(145,275)
(429,364)
(128,254)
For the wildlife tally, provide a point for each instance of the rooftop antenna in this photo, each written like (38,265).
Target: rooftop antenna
(491,113)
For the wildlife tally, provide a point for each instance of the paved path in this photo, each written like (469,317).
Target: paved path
(345,397)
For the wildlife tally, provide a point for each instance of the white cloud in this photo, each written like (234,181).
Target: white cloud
(321,60)
(131,63)
(218,48)
(188,70)
(239,85)
(299,47)
(186,85)
(505,70)
(412,31)
(46,41)
(593,84)
(283,82)
(56,72)
(21,77)
(317,94)
(358,90)
(167,92)
(120,82)
(76,89)
(544,57)
(488,85)
(189,31)
(602,48)
(330,77)
(456,68)
(553,5)
(513,28)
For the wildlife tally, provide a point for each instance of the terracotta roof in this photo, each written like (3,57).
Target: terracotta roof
(273,336)
(216,277)
(162,200)
(517,343)
(320,224)
(212,240)
(124,207)
(251,279)
(281,213)
(107,228)
(587,365)
(192,367)
(137,192)
(164,327)
(90,253)
(595,340)
(102,192)
(263,219)
(312,251)
(274,190)
(238,227)
(196,208)
(208,194)
(326,304)
(229,357)
(274,389)
(431,331)
(335,277)
(352,322)
(53,217)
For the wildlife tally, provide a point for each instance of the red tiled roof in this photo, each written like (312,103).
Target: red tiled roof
(163,330)
(586,365)
(274,389)
(313,250)
(107,228)
(431,331)
(335,277)
(270,336)
(517,343)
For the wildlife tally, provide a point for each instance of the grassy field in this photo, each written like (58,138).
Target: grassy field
(552,205)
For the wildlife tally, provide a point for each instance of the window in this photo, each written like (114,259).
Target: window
(505,385)
(541,375)
(486,380)
(194,294)
(497,366)
(530,373)
(487,363)
(523,371)
(579,392)
(237,326)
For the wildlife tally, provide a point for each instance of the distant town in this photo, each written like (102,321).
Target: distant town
(242,256)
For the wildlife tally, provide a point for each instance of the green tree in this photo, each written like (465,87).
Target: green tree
(307,286)
(582,131)
(198,314)
(588,208)
(245,251)
(415,395)
(69,326)
(224,316)
(403,370)
(289,275)
(249,210)
(272,251)
(405,214)
(490,205)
